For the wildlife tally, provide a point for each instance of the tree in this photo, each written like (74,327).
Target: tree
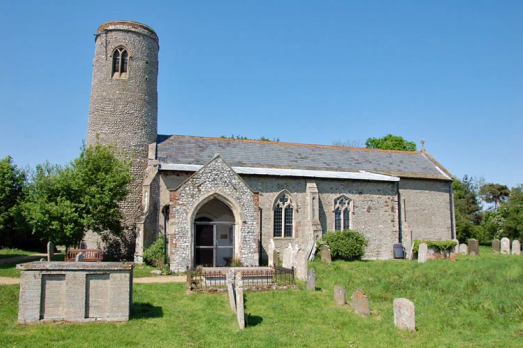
(12,183)
(512,213)
(64,203)
(390,142)
(494,193)
(467,208)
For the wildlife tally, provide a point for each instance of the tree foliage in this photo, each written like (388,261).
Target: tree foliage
(64,203)
(390,142)
(511,213)
(494,193)
(466,207)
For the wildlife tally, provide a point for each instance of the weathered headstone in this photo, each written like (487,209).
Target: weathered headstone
(340,295)
(230,289)
(326,254)
(473,247)
(516,247)
(463,249)
(287,257)
(294,257)
(301,265)
(496,245)
(422,253)
(50,252)
(308,249)
(276,258)
(270,253)
(79,257)
(404,314)
(311,280)
(455,249)
(360,302)
(505,246)
(240,306)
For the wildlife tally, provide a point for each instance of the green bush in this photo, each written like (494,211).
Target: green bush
(440,245)
(345,245)
(154,255)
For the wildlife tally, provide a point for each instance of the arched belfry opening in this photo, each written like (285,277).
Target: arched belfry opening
(214,239)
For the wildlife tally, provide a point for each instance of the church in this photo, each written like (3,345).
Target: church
(218,200)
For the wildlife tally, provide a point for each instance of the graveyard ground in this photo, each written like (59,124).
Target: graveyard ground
(474,302)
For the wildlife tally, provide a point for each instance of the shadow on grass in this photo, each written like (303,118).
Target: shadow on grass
(145,310)
(254,320)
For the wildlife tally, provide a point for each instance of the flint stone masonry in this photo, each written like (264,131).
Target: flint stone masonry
(340,296)
(422,253)
(516,247)
(505,246)
(75,291)
(473,247)
(404,314)
(360,302)
(496,246)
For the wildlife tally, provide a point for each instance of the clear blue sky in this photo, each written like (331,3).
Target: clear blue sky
(449,72)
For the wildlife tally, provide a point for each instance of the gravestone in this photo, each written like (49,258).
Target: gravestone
(505,246)
(422,253)
(276,258)
(79,257)
(50,252)
(404,314)
(287,255)
(326,254)
(360,302)
(496,246)
(311,280)
(516,247)
(240,306)
(455,249)
(270,253)
(339,295)
(309,248)
(463,249)
(230,288)
(473,247)
(301,265)
(294,256)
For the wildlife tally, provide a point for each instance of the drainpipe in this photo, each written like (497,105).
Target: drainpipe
(400,235)
(260,239)
(451,204)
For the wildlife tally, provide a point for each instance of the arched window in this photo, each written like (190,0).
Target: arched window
(283,216)
(120,63)
(341,213)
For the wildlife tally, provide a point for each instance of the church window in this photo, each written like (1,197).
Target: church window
(342,210)
(120,63)
(283,217)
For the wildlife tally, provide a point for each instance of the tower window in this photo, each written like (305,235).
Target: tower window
(120,63)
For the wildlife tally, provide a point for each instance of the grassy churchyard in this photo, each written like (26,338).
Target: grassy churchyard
(474,302)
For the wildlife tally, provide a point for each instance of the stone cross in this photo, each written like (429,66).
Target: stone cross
(240,306)
(79,257)
(50,251)
(473,247)
(340,295)
(301,265)
(270,253)
(230,288)
(311,280)
(516,247)
(326,254)
(276,258)
(422,253)
(505,246)
(360,302)
(404,314)
(287,257)
(463,249)
(496,245)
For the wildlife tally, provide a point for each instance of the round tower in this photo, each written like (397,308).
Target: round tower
(124,99)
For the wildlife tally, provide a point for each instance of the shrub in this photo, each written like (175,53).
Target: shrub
(346,245)
(154,255)
(440,245)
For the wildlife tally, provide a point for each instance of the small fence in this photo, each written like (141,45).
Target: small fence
(265,278)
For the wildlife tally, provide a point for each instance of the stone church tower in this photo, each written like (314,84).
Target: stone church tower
(124,106)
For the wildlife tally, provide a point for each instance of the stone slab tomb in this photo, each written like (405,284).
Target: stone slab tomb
(473,247)
(404,314)
(360,302)
(75,291)
(505,246)
(516,247)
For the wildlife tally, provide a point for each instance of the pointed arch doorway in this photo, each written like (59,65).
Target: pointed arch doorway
(214,235)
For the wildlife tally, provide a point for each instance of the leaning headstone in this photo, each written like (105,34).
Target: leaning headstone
(311,280)
(360,302)
(505,246)
(516,247)
(463,249)
(455,249)
(230,289)
(496,246)
(287,257)
(473,247)
(422,253)
(301,265)
(404,314)
(240,307)
(326,254)
(276,258)
(270,253)
(50,252)
(339,295)
(79,257)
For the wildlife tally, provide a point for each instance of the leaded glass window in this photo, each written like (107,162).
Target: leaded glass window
(342,213)
(120,63)
(283,217)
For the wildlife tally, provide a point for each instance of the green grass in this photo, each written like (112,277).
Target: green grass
(9,269)
(474,302)
(8,252)
(141,271)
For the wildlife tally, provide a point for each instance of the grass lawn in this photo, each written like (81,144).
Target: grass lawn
(474,302)
(9,269)
(12,252)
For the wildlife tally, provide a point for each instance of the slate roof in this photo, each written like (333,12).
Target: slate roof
(179,149)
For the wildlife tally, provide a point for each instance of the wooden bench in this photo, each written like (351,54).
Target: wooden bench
(90,255)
